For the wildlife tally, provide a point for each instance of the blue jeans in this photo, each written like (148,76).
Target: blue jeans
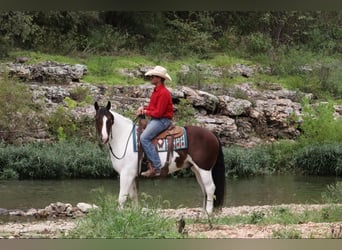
(153,128)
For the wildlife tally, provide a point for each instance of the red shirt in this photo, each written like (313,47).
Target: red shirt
(160,105)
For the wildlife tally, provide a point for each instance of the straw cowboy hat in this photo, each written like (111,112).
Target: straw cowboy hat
(159,71)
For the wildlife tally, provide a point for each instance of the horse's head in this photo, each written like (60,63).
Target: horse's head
(104,120)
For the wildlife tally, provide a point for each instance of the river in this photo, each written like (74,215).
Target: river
(181,192)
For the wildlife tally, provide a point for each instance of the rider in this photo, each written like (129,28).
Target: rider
(160,109)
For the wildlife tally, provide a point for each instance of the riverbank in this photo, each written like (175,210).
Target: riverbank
(197,226)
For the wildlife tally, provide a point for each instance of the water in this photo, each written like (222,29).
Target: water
(184,192)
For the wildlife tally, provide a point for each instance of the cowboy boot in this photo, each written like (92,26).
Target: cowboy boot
(151,172)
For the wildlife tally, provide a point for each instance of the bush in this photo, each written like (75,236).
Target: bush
(181,38)
(320,159)
(80,94)
(258,43)
(56,161)
(247,162)
(319,125)
(18,112)
(105,39)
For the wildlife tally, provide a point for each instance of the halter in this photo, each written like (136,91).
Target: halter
(130,134)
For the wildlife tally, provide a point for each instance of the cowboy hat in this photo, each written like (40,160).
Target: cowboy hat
(159,71)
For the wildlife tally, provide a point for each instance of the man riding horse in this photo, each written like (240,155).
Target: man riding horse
(160,109)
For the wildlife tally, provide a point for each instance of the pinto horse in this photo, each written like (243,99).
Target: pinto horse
(204,156)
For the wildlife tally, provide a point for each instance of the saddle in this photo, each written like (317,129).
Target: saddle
(174,131)
(169,134)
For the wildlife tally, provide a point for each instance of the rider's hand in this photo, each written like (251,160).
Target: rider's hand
(140,111)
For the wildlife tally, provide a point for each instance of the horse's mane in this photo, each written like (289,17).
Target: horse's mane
(121,117)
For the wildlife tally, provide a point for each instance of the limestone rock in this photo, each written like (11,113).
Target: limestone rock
(85,207)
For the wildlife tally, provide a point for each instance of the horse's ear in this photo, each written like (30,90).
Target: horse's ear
(108,105)
(96,105)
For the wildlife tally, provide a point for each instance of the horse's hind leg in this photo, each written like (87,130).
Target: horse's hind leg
(205,179)
(199,180)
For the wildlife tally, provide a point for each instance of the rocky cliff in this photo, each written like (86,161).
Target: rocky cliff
(244,114)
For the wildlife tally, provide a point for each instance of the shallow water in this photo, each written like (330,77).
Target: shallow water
(182,192)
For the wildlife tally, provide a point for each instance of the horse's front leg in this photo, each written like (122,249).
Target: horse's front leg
(133,193)
(127,187)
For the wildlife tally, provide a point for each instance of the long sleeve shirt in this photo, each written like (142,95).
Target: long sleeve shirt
(160,105)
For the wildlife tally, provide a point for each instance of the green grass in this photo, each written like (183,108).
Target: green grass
(283,216)
(109,222)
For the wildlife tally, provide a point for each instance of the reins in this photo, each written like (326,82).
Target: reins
(130,134)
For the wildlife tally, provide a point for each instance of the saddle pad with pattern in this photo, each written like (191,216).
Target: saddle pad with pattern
(179,143)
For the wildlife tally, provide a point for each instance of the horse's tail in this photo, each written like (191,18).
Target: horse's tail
(218,173)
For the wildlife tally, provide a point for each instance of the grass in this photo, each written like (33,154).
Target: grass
(109,222)
(284,216)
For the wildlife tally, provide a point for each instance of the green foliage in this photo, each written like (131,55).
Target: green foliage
(105,39)
(61,123)
(258,43)
(17,112)
(60,160)
(180,38)
(320,159)
(8,174)
(286,234)
(318,124)
(184,114)
(333,194)
(81,94)
(256,217)
(70,103)
(284,216)
(109,222)
(247,162)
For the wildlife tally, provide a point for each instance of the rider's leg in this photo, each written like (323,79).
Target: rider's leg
(154,127)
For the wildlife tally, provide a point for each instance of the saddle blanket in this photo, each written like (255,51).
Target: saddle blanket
(179,143)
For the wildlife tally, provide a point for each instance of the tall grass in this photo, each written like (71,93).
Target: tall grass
(64,159)
(320,159)
(109,222)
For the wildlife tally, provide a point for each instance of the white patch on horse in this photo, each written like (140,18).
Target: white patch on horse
(205,179)
(173,166)
(104,134)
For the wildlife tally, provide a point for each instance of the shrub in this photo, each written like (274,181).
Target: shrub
(247,162)
(105,39)
(79,94)
(55,161)
(320,159)
(18,112)
(64,125)
(258,43)
(181,38)
(319,125)
(286,234)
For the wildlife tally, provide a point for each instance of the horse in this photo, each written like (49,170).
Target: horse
(203,155)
